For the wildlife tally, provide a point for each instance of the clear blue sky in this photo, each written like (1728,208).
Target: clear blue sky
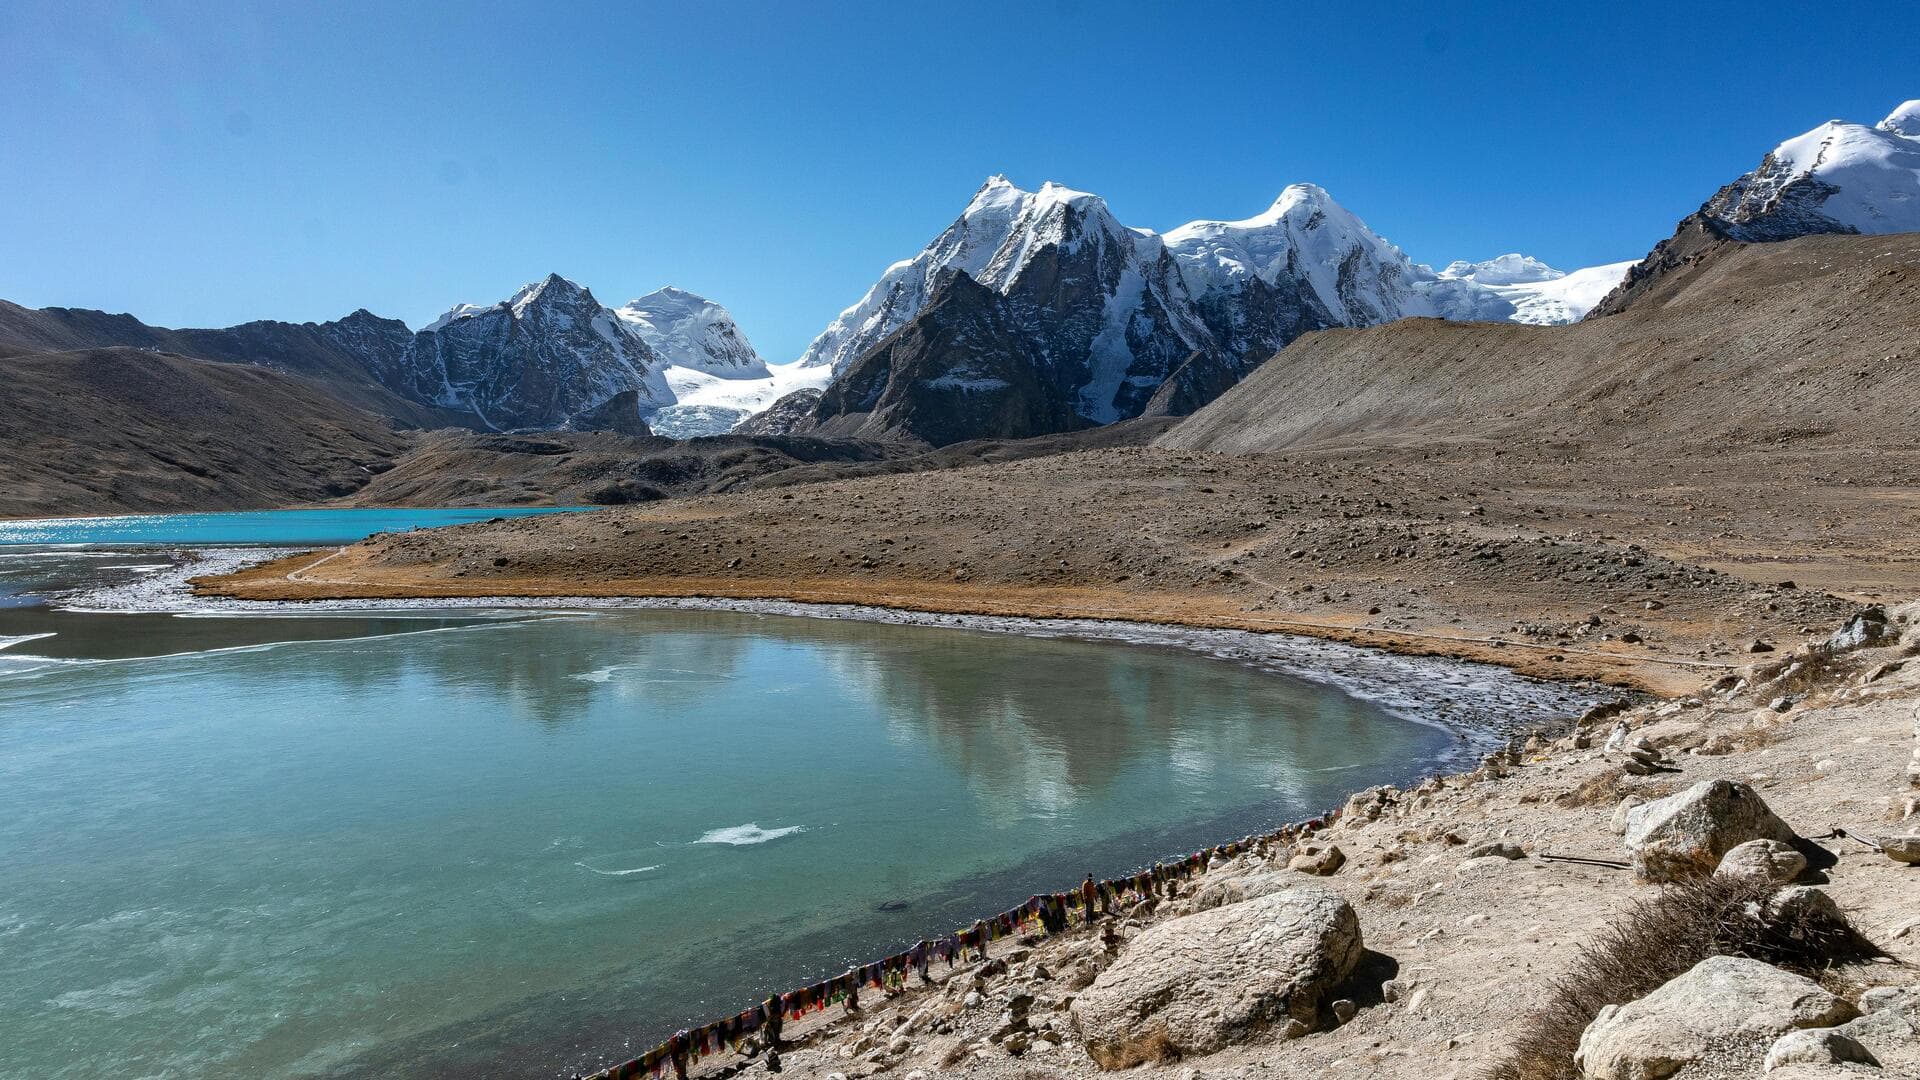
(203,163)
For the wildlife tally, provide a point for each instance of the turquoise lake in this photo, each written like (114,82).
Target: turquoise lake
(528,843)
(252,527)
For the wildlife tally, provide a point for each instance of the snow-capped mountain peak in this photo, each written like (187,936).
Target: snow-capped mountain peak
(688,330)
(992,241)
(552,289)
(1904,120)
(1509,269)
(1351,274)
(1840,177)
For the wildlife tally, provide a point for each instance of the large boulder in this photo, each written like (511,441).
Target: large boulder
(1196,984)
(1723,1005)
(1686,834)
(1867,627)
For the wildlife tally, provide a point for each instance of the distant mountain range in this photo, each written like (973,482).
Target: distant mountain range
(1033,312)
(1038,311)
(549,357)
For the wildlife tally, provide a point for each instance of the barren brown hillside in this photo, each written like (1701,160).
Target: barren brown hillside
(1809,342)
(117,430)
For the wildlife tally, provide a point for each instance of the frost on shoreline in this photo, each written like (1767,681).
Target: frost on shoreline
(1481,704)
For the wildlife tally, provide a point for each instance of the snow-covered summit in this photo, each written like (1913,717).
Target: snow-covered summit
(688,330)
(550,290)
(993,241)
(1241,288)
(1840,177)
(1510,269)
(1350,271)
(1904,119)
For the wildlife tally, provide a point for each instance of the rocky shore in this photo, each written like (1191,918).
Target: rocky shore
(1716,884)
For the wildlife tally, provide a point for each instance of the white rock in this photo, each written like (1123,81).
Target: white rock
(1902,849)
(1769,859)
(1248,887)
(1195,984)
(1721,1002)
(1817,1046)
(1688,833)
(1619,823)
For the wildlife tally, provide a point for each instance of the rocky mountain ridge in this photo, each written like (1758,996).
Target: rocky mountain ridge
(1116,321)
(1091,319)
(549,357)
(1840,177)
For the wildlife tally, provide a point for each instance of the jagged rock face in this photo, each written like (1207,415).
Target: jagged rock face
(1099,310)
(963,368)
(385,347)
(536,360)
(1838,178)
(1123,322)
(1105,309)
(967,245)
(619,414)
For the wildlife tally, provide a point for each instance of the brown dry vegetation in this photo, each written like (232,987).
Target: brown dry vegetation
(1659,938)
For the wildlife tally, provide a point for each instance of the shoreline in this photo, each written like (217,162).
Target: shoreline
(1408,874)
(284,580)
(1483,702)
(1487,705)
(1459,939)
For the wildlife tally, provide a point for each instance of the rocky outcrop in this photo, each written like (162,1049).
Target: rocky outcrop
(1889,1028)
(791,414)
(1195,984)
(537,359)
(966,367)
(619,414)
(1721,1002)
(1688,833)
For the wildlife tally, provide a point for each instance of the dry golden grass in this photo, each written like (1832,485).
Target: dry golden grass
(1659,939)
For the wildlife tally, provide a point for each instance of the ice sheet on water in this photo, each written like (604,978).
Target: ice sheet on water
(750,833)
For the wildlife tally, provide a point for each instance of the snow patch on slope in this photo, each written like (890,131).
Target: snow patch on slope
(1539,294)
(709,404)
